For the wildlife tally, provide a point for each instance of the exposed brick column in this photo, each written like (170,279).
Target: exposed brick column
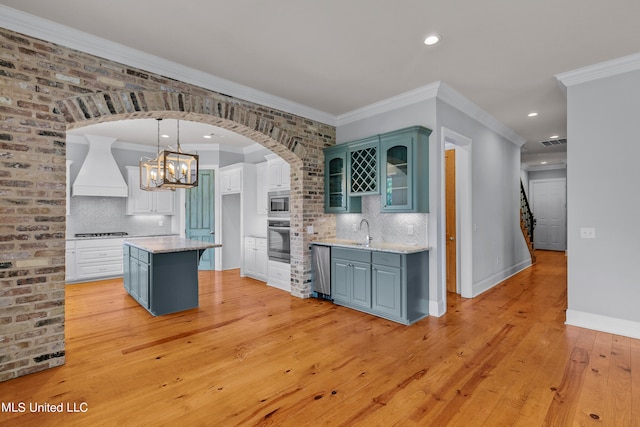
(46,89)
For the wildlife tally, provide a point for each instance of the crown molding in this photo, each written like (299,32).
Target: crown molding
(454,98)
(438,90)
(599,71)
(44,29)
(407,98)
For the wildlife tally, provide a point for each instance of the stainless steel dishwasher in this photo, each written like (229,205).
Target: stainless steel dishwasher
(321,270)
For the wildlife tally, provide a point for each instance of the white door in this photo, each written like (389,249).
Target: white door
(549,206)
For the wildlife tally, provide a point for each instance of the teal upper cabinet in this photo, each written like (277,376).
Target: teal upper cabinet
(394,165)
(364,173)
(405,170)
(336,198)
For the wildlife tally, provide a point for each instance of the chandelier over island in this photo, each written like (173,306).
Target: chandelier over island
(171,168)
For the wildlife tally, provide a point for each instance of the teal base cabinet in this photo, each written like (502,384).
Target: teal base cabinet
(351,274)
(394,286)
(162,283)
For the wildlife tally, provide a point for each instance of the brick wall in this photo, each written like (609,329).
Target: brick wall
(46,89)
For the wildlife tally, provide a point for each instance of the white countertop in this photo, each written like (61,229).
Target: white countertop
(374,246)
(165,244)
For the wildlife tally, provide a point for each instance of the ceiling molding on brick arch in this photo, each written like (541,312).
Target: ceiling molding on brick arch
(44,29)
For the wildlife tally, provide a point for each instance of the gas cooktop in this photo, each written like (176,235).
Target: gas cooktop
(108,234)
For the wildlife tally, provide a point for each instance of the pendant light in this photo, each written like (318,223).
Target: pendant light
(171,169)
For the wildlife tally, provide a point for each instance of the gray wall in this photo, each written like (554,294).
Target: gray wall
(499,248)
(604,273)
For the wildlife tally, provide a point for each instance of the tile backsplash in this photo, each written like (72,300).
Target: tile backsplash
(108,214)
(385,227)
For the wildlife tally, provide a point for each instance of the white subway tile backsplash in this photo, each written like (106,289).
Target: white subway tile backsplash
(385,227)
(108,214)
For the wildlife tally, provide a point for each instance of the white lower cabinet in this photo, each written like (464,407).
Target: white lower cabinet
(70,261)
(255,257)
(95,259)
(279,275)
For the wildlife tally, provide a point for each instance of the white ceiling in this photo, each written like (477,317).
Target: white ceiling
(340,55)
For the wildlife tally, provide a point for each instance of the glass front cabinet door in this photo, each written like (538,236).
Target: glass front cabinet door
(336,182)
(405,170)
(336,198)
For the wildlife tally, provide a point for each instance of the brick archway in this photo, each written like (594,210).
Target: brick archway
(108,106)
(101,107)
(49,88)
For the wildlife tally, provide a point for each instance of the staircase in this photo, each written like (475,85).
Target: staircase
(527,223)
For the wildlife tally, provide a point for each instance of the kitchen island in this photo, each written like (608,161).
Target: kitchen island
(161,273)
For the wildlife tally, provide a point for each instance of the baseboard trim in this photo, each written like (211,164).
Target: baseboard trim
(437,308)
(488,283)
(598,322)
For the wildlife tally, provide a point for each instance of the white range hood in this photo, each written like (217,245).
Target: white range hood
(99,174)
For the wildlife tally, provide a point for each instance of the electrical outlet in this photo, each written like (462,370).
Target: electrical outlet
(410,230)
(309,229)
(588,233)
(355,227)
(160,223)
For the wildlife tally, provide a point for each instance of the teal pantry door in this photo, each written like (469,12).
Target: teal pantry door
(200,217)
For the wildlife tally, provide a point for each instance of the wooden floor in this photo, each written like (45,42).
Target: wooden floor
(253,355)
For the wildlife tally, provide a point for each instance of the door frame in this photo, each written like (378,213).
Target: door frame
(451,212)
(464,221)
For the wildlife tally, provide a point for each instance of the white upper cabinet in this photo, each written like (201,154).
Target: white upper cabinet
(142,202)
(231,179)
(278,173)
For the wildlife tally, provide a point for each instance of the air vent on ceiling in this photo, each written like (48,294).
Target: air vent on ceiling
(552,142)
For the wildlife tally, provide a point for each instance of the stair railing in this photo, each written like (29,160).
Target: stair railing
(527,215)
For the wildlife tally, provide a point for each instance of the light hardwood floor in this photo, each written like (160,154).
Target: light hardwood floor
(253,355)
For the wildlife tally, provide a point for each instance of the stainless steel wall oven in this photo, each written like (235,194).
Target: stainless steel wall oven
(278,240)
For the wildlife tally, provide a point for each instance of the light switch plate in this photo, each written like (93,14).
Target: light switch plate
(588,233)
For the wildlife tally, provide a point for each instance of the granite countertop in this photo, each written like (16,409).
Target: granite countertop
(374,246)
(164,244)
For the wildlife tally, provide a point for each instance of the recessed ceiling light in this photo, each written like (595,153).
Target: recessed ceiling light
(432,39)
(543,163)
(532,114)
(209,136)
(554,137)
(165,136)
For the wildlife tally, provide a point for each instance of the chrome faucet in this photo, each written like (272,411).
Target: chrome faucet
(368,238)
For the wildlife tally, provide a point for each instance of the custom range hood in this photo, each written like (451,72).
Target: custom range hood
(99,174)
